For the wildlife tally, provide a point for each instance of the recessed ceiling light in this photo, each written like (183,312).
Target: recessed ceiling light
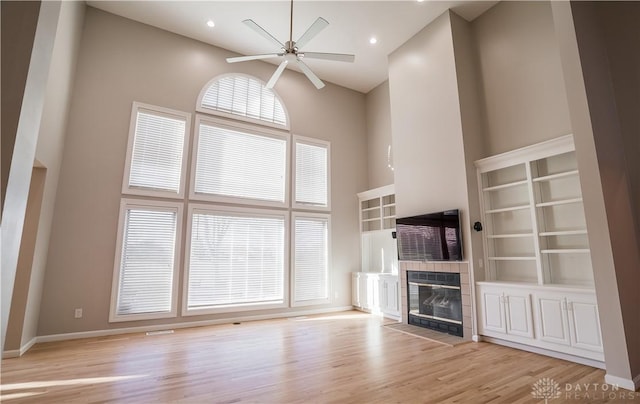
(210,24)
(420,1)
(373,40)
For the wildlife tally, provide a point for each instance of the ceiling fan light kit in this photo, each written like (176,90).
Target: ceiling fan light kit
(290,51)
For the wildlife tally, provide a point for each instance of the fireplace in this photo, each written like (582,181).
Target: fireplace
(435,301)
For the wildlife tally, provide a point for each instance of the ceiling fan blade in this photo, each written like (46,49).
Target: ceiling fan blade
(339,57)
(251,24)
(276,74)
(253,57)
(313,30)
(310,75)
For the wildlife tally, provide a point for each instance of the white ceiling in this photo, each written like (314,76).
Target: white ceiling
(352,23)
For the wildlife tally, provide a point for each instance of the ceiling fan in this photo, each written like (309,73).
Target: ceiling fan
(290,51)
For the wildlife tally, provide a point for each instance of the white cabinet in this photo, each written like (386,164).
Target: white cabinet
(389,295)
(506,312)
(365,291)
(570,319)
(552,318)
(376,293)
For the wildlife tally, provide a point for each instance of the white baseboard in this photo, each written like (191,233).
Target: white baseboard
(627,384)
(16,353)
(476,338)
(129,330)
(546,352)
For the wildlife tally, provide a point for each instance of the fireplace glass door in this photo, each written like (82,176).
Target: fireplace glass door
(435,301)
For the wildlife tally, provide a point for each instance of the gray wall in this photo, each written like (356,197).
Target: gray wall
(379,136)
(600,61)
(122,61)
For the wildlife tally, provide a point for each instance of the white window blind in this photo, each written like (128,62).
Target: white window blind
(234,164)
(311,259)
(157,152)
(311,176)
(244,96)
(147,261)
(235,260)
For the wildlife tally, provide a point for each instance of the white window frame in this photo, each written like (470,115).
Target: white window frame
(311,215)
(237,117)
(313,142)
(196,208)
(126,204)
(247,128)
(170,113)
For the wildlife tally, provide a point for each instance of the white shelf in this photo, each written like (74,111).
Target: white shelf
(375,219)
(555,176)
(526,238)
(514,235)
(509,209)
(389,205)
(566,251)
(563,233)
(371,209)
(560,202)
(503,186)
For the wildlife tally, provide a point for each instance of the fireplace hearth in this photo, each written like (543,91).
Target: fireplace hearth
(435,301)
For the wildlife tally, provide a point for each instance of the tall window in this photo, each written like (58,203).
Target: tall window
(155,156)
(311,173)
(310,258)
(252,241)
(147,261)
(236,259)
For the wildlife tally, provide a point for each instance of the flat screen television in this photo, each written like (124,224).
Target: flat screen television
(431,237)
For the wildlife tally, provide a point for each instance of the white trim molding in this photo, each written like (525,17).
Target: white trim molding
(170,326)
(627,384)
(16,353)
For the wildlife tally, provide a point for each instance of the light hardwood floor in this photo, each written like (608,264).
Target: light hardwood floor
(345,357)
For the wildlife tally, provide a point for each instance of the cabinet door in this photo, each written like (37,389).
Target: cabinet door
(355,290)
(552,319)
(389,294)
(492,310)
(584,322)
(519,314)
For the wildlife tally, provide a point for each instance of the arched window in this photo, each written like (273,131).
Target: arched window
(242,96)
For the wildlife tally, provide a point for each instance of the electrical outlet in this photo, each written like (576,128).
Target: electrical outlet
(335,295)
(78,313)
(480,263)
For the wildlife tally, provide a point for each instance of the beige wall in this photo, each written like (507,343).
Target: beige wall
(426,127)
(379,136)
(22,158)
(121,61)
(521,76)
(472,132)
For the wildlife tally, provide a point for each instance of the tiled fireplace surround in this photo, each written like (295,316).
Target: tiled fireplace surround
(456,267)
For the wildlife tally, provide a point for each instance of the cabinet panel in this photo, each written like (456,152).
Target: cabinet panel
(355,290)
(585,324)
(493,311)
(552,325)
(519,315)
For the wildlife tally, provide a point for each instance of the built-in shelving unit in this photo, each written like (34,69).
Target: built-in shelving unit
(377,209)
(535,230)
(538,288)
(376,288)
